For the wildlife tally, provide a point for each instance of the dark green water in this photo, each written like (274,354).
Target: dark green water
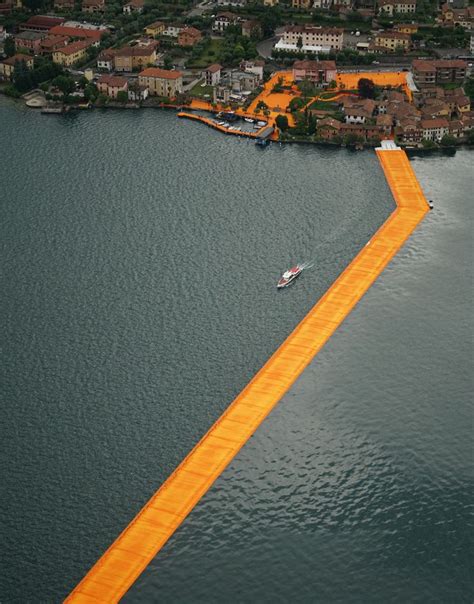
(139,258)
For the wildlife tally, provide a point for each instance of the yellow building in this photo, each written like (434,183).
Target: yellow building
(161,82)
(270,2)
(72,53)
(392,40)
(155,29)
(7,66)
(131,58)
(406,28)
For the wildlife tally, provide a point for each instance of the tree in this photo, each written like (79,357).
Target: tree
(282,122)
(306,87)
(65,84)
(168,62)
(366,88)
(122,96)
(296,103)
(22,79)
(9,46)
(448,141)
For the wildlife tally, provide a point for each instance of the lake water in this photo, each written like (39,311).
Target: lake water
(139,261)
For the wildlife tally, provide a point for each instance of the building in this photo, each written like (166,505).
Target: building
(66,5)
(223,20)
(406,28)
(392,40)
(301,36)
(453,17)
(136,92)
(79,33)
(29,40)
(105,60)
(428,73)
(270,2)
(212,74)
(328,128)
(251,28)
(323,4)
(393,7)
(112,85)
(243,81)
(255,67)
(301,4)
(93,6)
(161,82)
(355,115)
(318,72)
(41,23)
(155,29)
(72,53)
(51,43)
(134,6)
(172,30)
(7,66)
(189,36)
(132,58)
(434,130)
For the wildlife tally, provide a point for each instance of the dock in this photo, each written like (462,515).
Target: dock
(213,124)
(118,568)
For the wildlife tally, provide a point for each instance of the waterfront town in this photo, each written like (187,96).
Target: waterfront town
(349,72)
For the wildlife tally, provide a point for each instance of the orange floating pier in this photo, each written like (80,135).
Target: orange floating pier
(128,556)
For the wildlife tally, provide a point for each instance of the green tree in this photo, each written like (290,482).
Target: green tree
(122,96)
(282,122)
(22,79)
(9,46)
(296,103)
(366,88)
(65,84)
(299,43)
(448,141)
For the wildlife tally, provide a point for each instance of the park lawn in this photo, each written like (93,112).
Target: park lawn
(200,91)
(209,55)
(324,106)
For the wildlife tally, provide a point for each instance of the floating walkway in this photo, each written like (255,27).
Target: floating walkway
(213,124)
(139,543)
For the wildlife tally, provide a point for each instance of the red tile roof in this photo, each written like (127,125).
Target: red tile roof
(436,123)
(112,81)
(155,72)
(16,58)
(74,47)
(315,65)
(214,68)
(78,32)
(43,21)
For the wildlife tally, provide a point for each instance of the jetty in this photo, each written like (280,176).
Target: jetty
(138,544)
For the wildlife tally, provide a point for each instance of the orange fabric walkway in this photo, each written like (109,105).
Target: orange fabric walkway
(139,543)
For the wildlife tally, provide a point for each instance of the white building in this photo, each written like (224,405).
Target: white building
(172,30)
(312,36)
(435,129)
(307,48)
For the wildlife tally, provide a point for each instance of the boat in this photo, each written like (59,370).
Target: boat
(289,276)
(248,120)
(261,124)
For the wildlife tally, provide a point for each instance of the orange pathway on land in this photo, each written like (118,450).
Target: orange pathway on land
(139,543)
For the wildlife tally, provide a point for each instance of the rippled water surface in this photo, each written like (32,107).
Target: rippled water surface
(139,259)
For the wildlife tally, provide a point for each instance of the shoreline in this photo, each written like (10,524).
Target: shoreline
(410,150)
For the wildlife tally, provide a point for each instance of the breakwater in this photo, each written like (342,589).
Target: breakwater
(127,557)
